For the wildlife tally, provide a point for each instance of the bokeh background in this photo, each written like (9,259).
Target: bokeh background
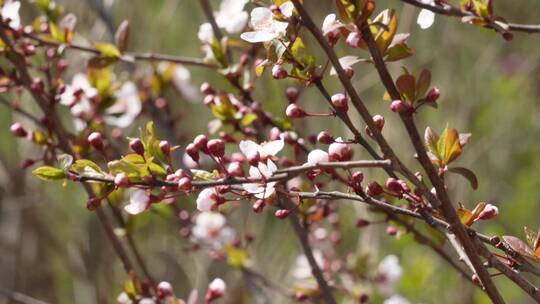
(52,247)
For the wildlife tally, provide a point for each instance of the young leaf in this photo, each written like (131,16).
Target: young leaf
(532,237)
(518,246)
(431,139)
(49,173)
(422,84)
(121,37)
(108,50)
(448,146)
(65,161)
(468,174)
(406,85)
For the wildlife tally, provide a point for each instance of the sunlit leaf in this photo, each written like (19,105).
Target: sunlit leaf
(108,50)
(448,146)
(49,173)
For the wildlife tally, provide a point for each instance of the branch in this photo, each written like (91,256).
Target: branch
(446,205)
(18,297)
(449,10)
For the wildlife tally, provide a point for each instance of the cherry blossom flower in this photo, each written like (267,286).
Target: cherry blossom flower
(261,189)
(265,27)
(205,34)
(316,156)
(302,269)
(216,289)
(346,62)
(396,299)
(181,79)
(10,10)
(231,17)
(426,17)
(207,199)
(265,150)
(210,229)
(138,201)
(126,108)
(77,96)
(389,272)
(331,27)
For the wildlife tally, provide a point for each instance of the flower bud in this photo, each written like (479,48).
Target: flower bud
(379,121)
(136,145)
(209,100)
(235,169)
(325,138)
(300,296)
(393,185)
(340,101)
(96,140)
(399,106)
(93,203)
(193,152)
(184,184)
(358,177)
(295,111)
(164,289)
(216,147)
(340,151)
(18,130)
(391,230)
(508,36)
(37,86)
(433,95)
(216,289)
(200,142)
(361,223)
(62,65)
(282,213)
(259,205)
(207,89)
(279,72)
(292,94)
(354,39)
(27,163)
(374,189)
(165,147)
(121,180)
(489,212)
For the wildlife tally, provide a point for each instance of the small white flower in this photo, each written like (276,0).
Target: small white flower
(146,301)
(207,199)
(396,299)
(77,96)
(264,26)
(210,229)
(346,62)
(10,10)
(316,156)
(181,80)
(389,272)
(331,26)
(261,189)
(205,34)
(302,269)
(231,15)
(126,108)
(265,150)
(426,17)
(217,287)
(123,298)
(138,201)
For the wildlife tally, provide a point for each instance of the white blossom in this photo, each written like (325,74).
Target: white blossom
(265,27)
(316,156)
(261,189)
(10,10)
(77,96)
(389,272)
(138,201)
(207,199)
(123,298)
(217,286)
(210,229)
(346,62)
(396,299)
(205,34)
(265,150)
(426,17)
(231,16)
(126,108)
(302,269)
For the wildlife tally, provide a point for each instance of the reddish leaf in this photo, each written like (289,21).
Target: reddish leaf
(406,85)
(519,246)
(468,174)
(422,84)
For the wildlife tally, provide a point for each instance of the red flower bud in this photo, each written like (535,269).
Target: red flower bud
(361,223)
(295,111)
(279,72)
(373,189)
(292,94)
(325,138)
(433,95)
(164,289)
(37,86)
(399,106)
(184,184)
(340,101)
(93,203)
(216,147)
(259,205)
(165,147)
(193,152)
(18,130)
(200,142)
(391,230)
(379,121)
(282,213)
(137,146)
(393,185)
(235,169)
(96,140)
(358,177)
(489,212)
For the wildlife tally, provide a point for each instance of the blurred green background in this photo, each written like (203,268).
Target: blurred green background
(53,249)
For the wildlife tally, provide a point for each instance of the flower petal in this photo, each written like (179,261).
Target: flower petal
(255,37)
(425,19)
(249,147)
(272,148)
(287,8)
(316,156)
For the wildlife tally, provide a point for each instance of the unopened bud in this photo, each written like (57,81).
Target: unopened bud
(136,145)
(164,290)
(216,147)
(18,130)
(489,212)
(340,101)
(193,152)
(358,177)
(96,140)
(433,95)
(279,72)
(379,121)
(37,86)
(235,169)
(201,141)
(282,213)
(295,111)
(399,106)
(292,94)
(165,147)
(393,185)
(325,138)
(354,39)
(361,223)
(93,203)
(184,184)
(374,189)
(391,230)
(207,88)
(121,180)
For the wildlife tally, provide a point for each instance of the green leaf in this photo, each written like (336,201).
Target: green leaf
(448,146)
(248,119)
(302,55)
(201,175)
(80,165)
(49,173)
(398,52)
(467,173)
(108,50)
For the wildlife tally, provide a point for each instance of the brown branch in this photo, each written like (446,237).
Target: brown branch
(446,207)
(449,10)
(18,297)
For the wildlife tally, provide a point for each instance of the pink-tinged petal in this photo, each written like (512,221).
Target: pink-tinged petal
(206,199)
(254,173)
(261,17)
(287,8)
(253,188)
(249,147)
(316,156)
(138,202)
(255,37)
(328,23)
